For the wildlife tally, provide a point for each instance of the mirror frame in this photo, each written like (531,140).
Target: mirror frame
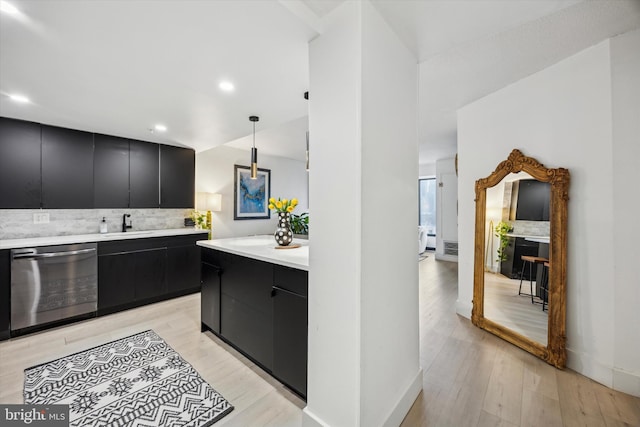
(554,352)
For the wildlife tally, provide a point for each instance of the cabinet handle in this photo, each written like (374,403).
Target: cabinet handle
(273,292)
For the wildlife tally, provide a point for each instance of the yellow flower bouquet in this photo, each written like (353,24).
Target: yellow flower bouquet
(283,205)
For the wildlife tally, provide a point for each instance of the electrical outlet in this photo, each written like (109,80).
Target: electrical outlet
(41,218)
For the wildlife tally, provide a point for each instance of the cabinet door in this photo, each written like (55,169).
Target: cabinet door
(5,279)
(247,309)
(290,339)
(183,268)
(67,168)
(115,282)
(20,182)
(210,297)
(111,172)
(177,177)
(144,190)
(149,273)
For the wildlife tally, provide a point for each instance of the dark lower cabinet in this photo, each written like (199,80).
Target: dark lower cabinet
(518,246)
(139,271)
(261,310)
(210,296)
(290,339)
(20,182)
(67,168)
(183,263)
(5,294)
(246,311)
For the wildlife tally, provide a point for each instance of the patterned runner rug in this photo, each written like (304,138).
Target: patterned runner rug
(134,381)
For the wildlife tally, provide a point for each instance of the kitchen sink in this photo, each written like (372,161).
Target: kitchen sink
(128,233)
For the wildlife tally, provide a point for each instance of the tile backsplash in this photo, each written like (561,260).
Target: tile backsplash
(18,223)
(531,228)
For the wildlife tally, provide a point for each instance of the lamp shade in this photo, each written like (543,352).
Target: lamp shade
(209,202)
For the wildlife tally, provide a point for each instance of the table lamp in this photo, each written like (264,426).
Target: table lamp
(210,202)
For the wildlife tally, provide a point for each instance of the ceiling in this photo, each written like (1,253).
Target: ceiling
(120,67)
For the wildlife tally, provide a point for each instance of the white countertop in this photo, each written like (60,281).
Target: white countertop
(86,238)
(263,248)
(531,238)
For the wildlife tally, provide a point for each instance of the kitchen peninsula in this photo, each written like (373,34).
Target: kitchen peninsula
(254,297)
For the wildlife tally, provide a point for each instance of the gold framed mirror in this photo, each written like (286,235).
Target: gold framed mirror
(506,301)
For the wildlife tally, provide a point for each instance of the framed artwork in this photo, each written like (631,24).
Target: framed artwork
(251,196)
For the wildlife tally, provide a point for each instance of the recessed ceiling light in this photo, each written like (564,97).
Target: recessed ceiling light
(160,128)
(7,7)
(226,86)
(19,98)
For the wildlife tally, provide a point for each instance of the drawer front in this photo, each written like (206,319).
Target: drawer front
(291,279)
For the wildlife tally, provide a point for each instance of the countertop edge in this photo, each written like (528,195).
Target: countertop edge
(286,263)
(90,238)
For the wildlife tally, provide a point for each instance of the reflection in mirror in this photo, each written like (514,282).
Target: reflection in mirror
(520,256)
(517,234)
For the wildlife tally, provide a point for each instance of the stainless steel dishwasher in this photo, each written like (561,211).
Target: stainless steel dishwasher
(52,283)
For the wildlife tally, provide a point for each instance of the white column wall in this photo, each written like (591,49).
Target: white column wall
(333,392)
(363,295)
(625,73)
(562,117)
(389,272)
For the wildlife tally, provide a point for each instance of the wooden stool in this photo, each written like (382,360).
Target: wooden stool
(545,285)
(531,261)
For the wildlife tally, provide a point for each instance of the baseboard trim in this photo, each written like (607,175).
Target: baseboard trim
(309,419)
(617,379)
(443,257)
(403,405)
(399,411)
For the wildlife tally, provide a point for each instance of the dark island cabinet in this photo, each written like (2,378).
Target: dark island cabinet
(67,168)
(261,310)
(177,172)
(246,308)
(20,183)
(5,294)
(210,297)
(111,172)
(144,169)
(290,327)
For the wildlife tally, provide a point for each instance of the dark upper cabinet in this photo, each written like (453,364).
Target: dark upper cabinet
(144,190)
(533,200)
(67,168)
(177,172)
(111,172)
(20,183)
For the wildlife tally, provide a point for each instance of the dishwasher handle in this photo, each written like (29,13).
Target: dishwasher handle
(52,254)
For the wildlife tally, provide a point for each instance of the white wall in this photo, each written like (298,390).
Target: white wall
(427,170)
(562,116)
(215,174)
(363,283)
(625,73)
(446,207)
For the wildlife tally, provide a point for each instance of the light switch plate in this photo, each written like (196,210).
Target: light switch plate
(41,218)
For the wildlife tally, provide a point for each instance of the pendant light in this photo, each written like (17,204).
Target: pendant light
(254,150)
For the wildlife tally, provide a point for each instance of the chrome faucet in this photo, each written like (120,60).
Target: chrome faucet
(124,222)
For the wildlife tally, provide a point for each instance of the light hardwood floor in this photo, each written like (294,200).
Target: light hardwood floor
(471,378)
(503,305)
